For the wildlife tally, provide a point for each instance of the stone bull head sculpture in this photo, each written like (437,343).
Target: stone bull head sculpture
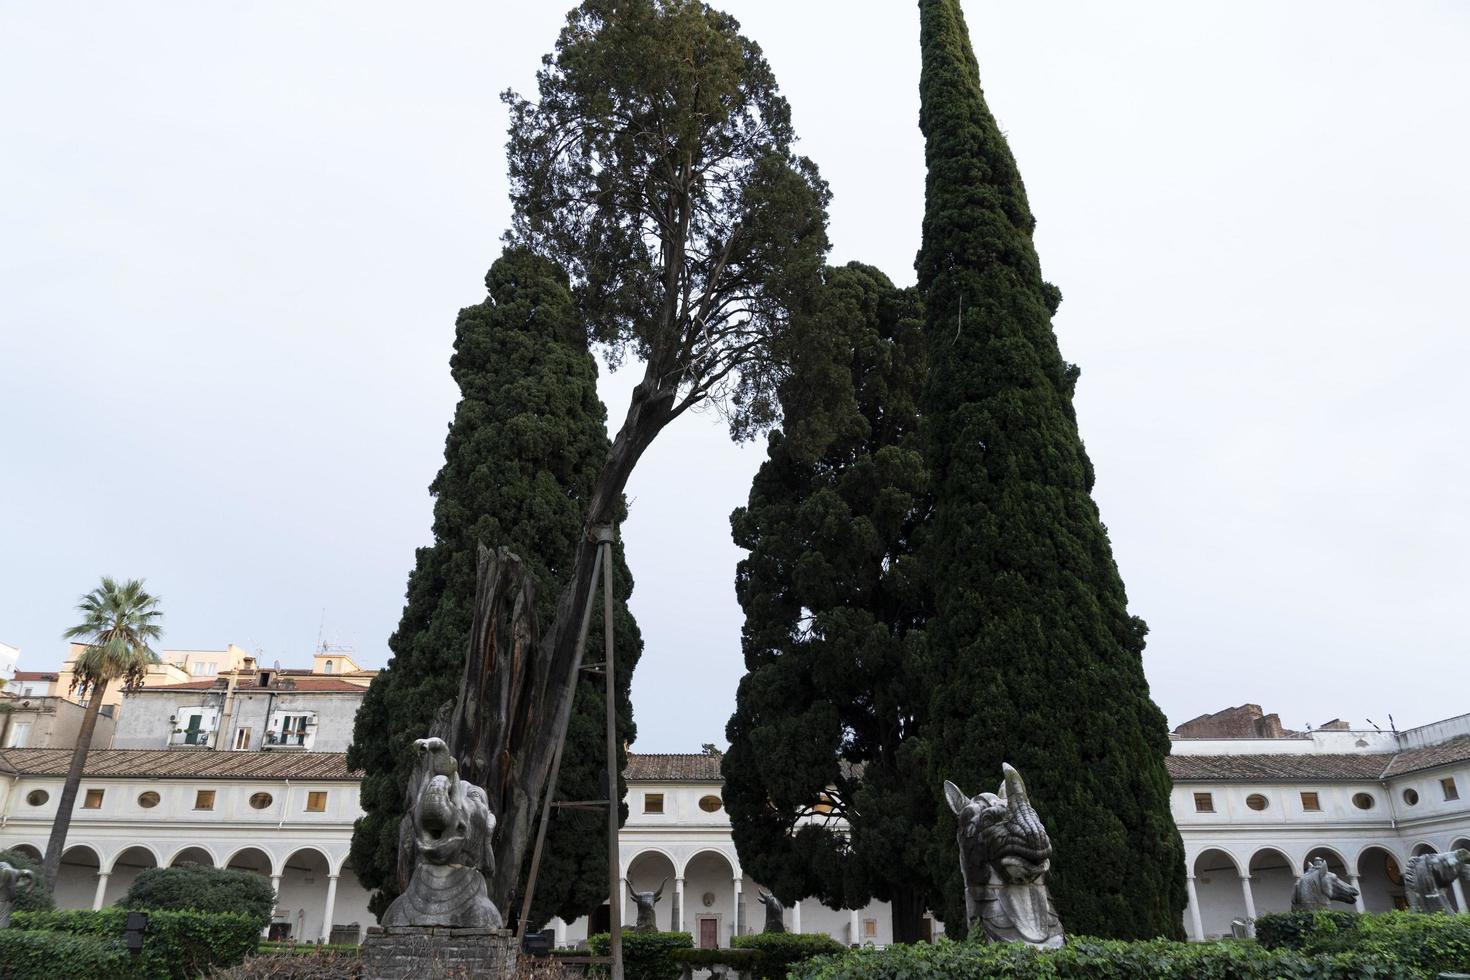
(13,881)
(1004,856)
(1319,888)
(775,911)
(646,901)
(1428,875)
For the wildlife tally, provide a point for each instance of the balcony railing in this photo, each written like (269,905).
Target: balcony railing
(190,739)
(285,740)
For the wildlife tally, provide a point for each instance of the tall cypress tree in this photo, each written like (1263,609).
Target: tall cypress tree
(1035,658)
(527,441)
(834,607)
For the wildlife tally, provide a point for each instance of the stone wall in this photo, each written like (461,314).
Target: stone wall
(425,952)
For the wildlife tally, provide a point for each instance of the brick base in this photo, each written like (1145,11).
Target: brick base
(434,952)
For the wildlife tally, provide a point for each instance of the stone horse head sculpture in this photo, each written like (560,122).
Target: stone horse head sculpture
(646,902)
(775,911)
(1319,888)
(13,881)
(1428,875)
(444,847)
(1004,856)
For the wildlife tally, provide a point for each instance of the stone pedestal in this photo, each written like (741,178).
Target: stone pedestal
(414,952)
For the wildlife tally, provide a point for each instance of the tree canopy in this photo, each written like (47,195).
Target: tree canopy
(523,450)
(1034,656)
(821,780)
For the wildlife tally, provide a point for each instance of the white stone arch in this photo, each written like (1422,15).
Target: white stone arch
(272,860)
(197,846)
(32,851)
(1459,843)
(1423,847)
(652,849)
(1329,850)
(1394,852)
(125,848)
(1234,858)
(316,849)
(729,857)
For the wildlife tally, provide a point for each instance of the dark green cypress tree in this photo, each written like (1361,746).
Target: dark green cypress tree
(834,606)
(528,439)
(1035,658)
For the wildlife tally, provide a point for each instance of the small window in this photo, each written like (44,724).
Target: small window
(1363,801)
(653,803)
(242,739)
(148,800)
(93,800)
(1310,803)
(1451,791)
(37,797)
(1257,802)
(327,668)
(204,799)
(259,801)
(316,801)
(870,929)
(1204,803)
(710,804)
(1411,797)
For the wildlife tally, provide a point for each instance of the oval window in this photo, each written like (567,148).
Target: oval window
(148,800)
(260,801)
(710,804)
(1411,797)
(1363,801)
(37,797)
(1257,802)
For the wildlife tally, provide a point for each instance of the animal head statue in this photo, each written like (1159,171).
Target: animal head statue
(1320,887)
(774,911)
(1428,875)
(646,901)
(1000,832)
(13,881)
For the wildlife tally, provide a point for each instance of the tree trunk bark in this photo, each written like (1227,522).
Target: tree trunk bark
(51,864)
(518,685)
(907,907)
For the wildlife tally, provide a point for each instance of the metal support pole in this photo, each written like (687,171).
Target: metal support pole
(560,744)
(614,875)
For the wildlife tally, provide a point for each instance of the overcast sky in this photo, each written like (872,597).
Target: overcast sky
(234,237)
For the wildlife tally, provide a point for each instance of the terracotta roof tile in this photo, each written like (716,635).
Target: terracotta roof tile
(1267,768)
(314,685)
(36,675)
(1443,754)
(673,768)
(184,763)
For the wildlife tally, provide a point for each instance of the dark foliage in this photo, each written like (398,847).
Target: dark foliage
(196,888)
(527,440)
(780,952)
(39,955)
(646,955)
(1033,655)
(834,608)
(177,945)
(1430,945)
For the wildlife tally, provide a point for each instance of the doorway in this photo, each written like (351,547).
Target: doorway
(709,932)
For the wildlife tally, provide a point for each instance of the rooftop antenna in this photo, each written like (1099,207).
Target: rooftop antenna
(1392,726)
(1375,724)
(321,628)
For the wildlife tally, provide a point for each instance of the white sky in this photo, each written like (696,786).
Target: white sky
(234,236)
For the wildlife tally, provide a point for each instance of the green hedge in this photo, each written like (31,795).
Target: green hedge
(1091,959)
(1428,944)
(700,959)
(196,888)
(780,951)
(38,896)
(177,945)
(646,955)
(28,955)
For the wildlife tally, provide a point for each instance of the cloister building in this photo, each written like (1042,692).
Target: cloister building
(1254,804)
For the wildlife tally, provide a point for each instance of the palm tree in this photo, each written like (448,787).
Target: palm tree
(118,620)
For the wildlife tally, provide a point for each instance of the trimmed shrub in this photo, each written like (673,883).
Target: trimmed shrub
(177,945)
(1085,959)
(33,955)
(1427,944)
(646,955)
(38,897)
(195,888)
(780,951)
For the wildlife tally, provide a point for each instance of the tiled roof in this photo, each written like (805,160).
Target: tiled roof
(36,675)
(182,763)
(313,685)
(1265,768)
(673,768)
(1415,760)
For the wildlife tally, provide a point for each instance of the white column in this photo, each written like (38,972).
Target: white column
(796,917)
(559,931)
(1194,915)
(101,890)
(276,888)
(679,904)
(623,898)
(1250,903)
(1357,902)
(856,926)
(1459,895)
(735,915)
(331,908)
